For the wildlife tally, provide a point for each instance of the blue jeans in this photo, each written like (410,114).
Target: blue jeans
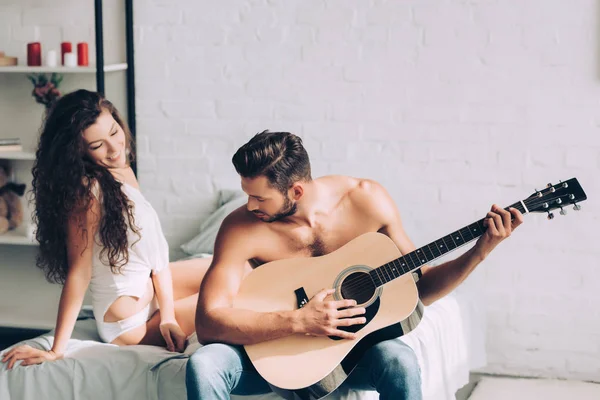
(216,370)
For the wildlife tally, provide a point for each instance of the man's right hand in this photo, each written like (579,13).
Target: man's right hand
(322,318)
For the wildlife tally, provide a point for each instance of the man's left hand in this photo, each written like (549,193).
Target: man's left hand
(499,225)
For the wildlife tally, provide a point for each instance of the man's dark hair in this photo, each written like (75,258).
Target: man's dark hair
(279,156)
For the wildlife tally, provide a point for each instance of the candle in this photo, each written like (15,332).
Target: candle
(51,58)
(70,60)
(82,54)
(65,47)
(34,54)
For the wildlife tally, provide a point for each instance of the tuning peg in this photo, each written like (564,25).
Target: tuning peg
(549,185)
(550,215)
(563,211)
(576,207)
(538,193)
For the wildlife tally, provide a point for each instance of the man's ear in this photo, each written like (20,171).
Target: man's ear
(297,191)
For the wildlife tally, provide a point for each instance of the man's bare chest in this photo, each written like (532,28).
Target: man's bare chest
(317,241)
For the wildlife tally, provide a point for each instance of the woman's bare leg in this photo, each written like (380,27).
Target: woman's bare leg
(187,276)
(185,314)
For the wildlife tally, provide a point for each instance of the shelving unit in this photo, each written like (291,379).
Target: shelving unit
(17,155)
(23,314)
(20,69)
(19,236)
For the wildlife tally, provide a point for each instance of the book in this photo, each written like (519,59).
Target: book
(8,61)
(12,147)
(10,141)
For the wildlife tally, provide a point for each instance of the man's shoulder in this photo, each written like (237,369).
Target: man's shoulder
(240,220)
(352,185)
(239,230)
(367,192)
(359,191)
(372,199)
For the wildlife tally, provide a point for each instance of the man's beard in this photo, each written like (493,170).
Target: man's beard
(286,210)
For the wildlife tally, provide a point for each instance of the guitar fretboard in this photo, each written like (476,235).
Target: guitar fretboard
(423,255)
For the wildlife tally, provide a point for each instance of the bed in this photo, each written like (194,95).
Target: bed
(449,343)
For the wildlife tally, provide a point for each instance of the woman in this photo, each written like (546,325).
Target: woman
(96,228)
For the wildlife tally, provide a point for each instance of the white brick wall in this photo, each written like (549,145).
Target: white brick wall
(452,105)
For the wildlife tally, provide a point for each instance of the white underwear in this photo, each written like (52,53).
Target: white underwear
(109,331)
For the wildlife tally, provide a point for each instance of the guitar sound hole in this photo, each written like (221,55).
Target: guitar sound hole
(358,286)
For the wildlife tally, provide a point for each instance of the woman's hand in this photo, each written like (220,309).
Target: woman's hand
(173,335)
(29,355)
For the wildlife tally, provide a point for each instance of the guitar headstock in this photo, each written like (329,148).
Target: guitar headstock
(556,196)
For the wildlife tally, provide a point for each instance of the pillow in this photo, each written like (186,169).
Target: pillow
(204,242)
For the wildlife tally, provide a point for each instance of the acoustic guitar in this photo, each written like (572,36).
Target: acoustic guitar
(369,269)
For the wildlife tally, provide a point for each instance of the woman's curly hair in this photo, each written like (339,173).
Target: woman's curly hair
(63,181)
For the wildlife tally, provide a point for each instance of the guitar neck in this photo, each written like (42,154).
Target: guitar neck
(416,259)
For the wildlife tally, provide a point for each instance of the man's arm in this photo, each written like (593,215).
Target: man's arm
(441,280)
(217,321)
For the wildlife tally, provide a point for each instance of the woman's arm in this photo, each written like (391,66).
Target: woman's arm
(169,328)
(163,286)
(82,227)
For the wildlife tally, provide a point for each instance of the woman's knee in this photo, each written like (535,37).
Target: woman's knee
(187,276)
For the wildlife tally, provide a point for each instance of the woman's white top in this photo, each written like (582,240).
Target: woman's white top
(149,253)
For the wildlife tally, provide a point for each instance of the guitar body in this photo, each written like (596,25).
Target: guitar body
(319,364)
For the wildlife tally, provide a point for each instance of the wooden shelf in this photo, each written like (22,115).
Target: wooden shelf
(18,236)
(17,155)
(61,69)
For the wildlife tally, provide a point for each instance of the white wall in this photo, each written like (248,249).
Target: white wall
(452,105)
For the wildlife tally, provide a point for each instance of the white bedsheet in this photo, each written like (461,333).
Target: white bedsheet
(448,343)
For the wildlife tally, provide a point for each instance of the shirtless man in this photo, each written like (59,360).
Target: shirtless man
(289,214)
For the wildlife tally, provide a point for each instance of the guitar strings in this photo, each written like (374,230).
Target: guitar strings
(361,282)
